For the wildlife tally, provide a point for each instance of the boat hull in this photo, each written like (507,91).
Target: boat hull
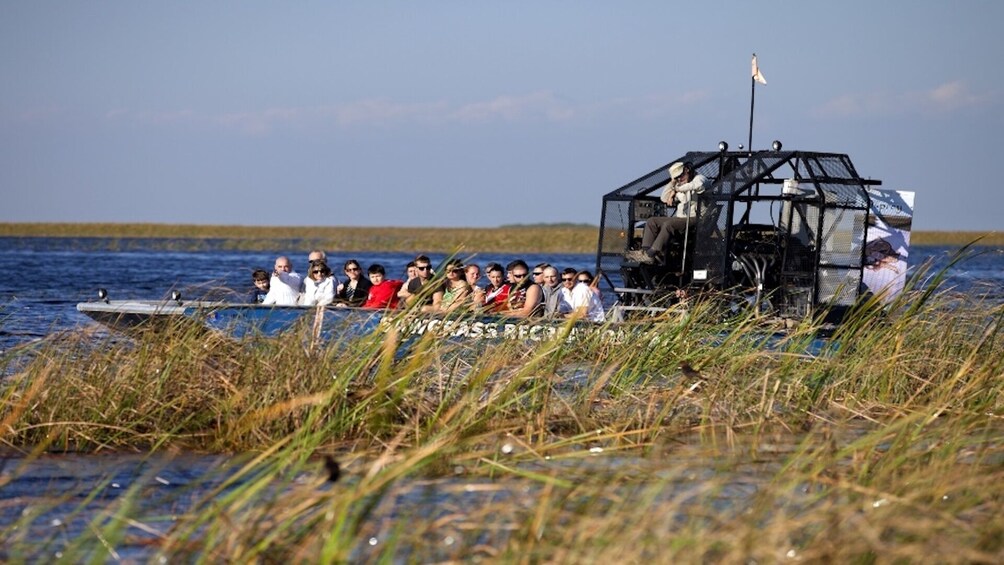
(324,323)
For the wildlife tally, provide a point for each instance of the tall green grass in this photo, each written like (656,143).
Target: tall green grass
(888,447)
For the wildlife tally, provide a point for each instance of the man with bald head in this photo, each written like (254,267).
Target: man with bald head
(284,286)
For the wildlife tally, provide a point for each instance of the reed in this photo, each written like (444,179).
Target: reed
(545,238)
(887,447)
(536,238)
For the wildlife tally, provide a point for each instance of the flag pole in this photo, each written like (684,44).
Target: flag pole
(749,145)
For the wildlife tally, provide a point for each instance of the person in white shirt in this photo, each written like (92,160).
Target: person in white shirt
(567,284)
(284,286)
(319,286)
(584,302)
(680,191)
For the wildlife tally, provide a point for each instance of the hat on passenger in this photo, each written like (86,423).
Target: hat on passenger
(675,170)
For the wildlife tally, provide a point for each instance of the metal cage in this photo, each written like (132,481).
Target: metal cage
(788,227)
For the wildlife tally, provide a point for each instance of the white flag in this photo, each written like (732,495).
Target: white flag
(757,75)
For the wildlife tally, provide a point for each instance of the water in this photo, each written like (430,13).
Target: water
(49,276)
(46,277)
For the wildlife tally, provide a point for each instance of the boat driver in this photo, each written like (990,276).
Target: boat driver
(683,185)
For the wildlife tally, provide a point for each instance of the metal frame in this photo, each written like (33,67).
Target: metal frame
(823,257)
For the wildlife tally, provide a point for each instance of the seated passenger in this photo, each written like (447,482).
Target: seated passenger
(584,301)
(473,274)
(551,288)
(319,287)
(497,291)
(525,295)
(356,289)
(538,273)
(589,279)
(568,280)
(317,255)
(453,293)
(383,292)
(680,191)
(284,286)
(260,279)
(413,287)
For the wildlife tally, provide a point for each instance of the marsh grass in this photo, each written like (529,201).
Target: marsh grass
(888,446)
(544,238)
(538,238)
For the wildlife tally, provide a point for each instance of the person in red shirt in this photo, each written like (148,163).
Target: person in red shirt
(497,292)
(383,293)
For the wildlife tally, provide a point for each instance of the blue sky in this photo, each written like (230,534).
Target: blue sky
(477,114)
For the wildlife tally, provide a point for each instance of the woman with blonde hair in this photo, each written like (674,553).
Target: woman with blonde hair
(319,286)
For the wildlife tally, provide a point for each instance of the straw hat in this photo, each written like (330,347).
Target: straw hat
(675,170)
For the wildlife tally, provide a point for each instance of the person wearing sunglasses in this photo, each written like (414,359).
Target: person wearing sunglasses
(538,273)
(567,284)
(589,279)
(583,301)
(284,285)
(355,290)
(319,286)
(525,296)
(412,289)
(454,291)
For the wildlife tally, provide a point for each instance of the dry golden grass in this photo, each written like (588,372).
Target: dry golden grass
(957,238)
(556,238)
(546,238)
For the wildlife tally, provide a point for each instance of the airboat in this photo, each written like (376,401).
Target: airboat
(791,234)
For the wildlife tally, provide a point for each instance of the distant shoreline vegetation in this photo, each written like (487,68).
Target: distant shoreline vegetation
(513,238)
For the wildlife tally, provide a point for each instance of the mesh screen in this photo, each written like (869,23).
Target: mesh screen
(710,242)
(843,237)
(795,298)
(616,226)
(839,286)
(799,220)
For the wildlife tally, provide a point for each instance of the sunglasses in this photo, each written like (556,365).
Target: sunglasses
(353,270)
(317,272)
(538,273)
(422,268)
(568,279)
(518,275)
(587,281)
